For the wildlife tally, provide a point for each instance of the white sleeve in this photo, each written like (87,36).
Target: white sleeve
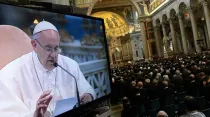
(11,104)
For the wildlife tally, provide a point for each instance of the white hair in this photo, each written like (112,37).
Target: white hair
(35,36)
(165,76)
(162,113)
(133,83)
(159,74)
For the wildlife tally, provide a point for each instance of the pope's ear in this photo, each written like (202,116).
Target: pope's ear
(33,43)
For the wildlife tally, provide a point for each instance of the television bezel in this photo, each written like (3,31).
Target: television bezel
(93,104)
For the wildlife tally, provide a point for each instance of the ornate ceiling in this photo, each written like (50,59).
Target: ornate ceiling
(115,25)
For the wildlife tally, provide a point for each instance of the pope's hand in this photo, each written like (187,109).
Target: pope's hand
(87,97)
(42,104)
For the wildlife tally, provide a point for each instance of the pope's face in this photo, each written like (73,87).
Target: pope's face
(47,48)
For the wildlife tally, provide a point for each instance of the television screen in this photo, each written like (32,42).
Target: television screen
(82,39)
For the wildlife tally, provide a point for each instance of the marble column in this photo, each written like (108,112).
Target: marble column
(173,36)
(207,18)
(157,40)
(164,30)
(183,34)
(165,49)
(144,39)
(161,42)
(194,28)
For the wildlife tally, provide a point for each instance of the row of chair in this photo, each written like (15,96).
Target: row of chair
(173,105)
(172,109)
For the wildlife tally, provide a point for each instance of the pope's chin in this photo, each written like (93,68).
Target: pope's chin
(50,65)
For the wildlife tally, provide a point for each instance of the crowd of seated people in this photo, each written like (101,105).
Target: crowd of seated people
(163,79)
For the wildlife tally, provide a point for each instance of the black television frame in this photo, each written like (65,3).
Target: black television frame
(87,109)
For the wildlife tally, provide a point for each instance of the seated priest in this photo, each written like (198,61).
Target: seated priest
(33,84)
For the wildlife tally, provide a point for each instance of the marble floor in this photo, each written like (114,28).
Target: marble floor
(116,110)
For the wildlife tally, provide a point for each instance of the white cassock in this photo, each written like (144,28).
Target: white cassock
(23,80)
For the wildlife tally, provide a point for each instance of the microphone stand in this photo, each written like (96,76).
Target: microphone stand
(77,91)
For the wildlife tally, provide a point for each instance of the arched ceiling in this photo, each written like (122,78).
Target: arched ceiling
(115,25)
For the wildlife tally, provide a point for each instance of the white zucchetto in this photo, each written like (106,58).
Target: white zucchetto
(44,25)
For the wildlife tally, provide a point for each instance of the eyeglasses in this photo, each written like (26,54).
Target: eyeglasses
(50,50)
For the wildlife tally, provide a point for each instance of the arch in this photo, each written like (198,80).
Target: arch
(164,18)
(186,2)
(182,7)
(167,11)
(114,28)
(114,11)
(90,7)
(157,22)
(172,14)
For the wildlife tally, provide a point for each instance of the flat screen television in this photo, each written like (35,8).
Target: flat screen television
(82,39)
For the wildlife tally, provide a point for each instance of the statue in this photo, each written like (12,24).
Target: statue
(145,8)
(166,43)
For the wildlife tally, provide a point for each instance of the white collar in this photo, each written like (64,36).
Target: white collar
(38,64)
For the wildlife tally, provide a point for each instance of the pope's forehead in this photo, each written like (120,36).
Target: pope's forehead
(49,34)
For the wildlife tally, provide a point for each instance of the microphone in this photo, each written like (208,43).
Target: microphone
(77,91)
